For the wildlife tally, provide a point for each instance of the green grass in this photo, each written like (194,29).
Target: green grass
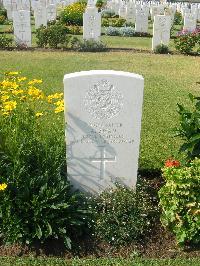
(168,80)
(96,262)
(112,41)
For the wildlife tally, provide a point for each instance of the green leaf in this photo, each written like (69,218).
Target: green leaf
(49,229)
(195,137)
(67,242)
(38,231)
(191,97)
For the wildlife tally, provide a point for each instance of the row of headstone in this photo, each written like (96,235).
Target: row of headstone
(45,10)
(127,9)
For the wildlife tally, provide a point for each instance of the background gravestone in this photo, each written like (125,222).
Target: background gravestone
(103,119)
(91,24)
(22,27)
(161,30)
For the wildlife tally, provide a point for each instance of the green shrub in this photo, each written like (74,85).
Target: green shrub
(112,31)
(189,128)
(53,35)
(100,4)
(105,22)
(180,202)
(123,215)
(113,22)
(74,30)
(2,19)
(42,35)
(186,41)
(73,14)
(108,13)
(178,20)
(36,199)
(87,46)
(3,12)
(5,42)
(161,49)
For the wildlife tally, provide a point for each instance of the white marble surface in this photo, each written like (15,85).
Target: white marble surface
(103,112)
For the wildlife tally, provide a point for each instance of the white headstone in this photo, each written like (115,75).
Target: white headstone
(103,112)
(161,30)
(91,24)
(51,12)
(23,5)
(189,22)
(8,6)
(141,22)
(91,3)
(22,27)
(130,12)
(122,10)
(40,16)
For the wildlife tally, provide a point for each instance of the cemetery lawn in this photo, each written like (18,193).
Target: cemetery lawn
(5,261)
(168,80)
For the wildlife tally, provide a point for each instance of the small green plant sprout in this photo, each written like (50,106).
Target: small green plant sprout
(161,49)
(189,128)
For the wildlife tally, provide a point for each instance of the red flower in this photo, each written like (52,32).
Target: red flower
(172,163)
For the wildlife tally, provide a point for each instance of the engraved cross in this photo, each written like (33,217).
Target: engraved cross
(103,160)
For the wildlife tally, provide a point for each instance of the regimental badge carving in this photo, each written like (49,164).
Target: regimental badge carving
(103,100)
(162,22)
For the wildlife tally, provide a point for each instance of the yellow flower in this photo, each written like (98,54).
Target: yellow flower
(59,103)
(54,96)
(6,84)
(38,114)
(9,106)
(12,73)
(35,93)
(60,106)
(6,113)
(3,186)
(59,109)
(21,79)
(5,97)
(35,81)
(16,92)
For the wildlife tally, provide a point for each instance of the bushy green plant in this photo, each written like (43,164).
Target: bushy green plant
(73,14)
(2,19)
(186,41)
(161,49)
(53,35)
(123,215)
(124,32)
(180,201)
(127,31)
(87,45)
(100,4)
(36,199)
(42,35)
(189,128)
(112,31)
(107,13)
(113,22)
(74,30)
(5,42)
(3,12)
(178,20)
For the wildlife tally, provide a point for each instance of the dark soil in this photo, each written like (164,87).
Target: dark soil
(159,244)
